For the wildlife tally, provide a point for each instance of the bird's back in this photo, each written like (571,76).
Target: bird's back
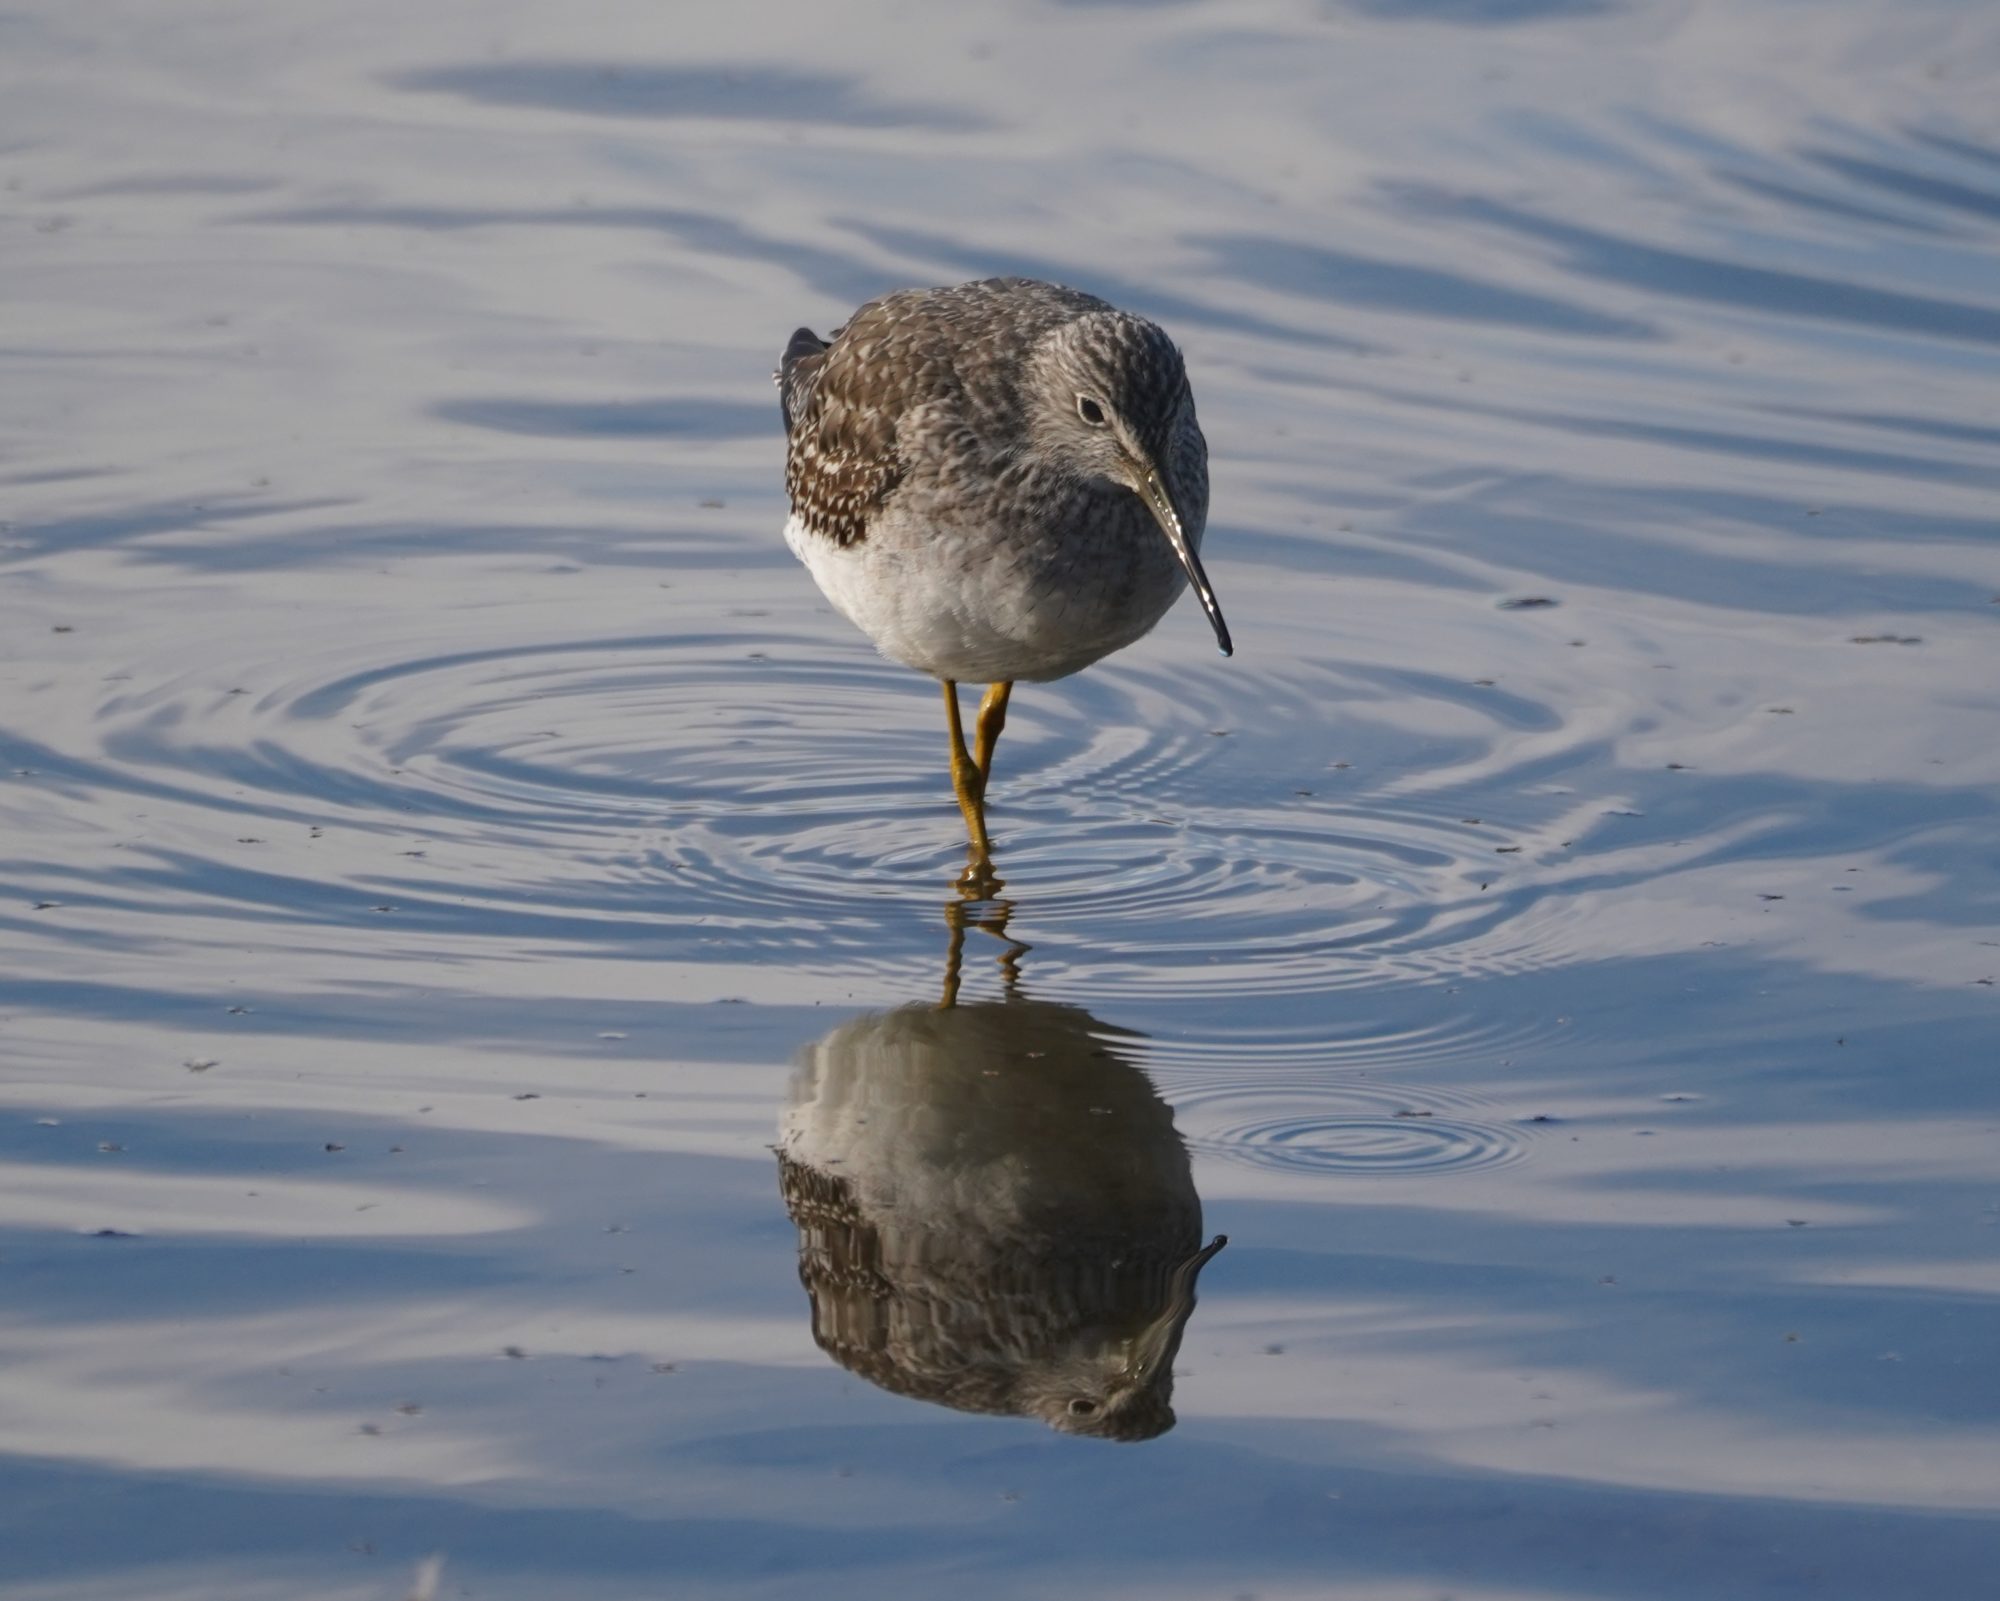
(899,360)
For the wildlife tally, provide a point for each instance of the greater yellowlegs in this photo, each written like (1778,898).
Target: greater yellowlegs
(998,481)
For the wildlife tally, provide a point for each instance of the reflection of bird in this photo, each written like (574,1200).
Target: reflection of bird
(995,1213)
(1003,480)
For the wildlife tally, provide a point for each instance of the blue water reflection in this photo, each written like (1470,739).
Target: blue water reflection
(1605,258)
(1561,948)
(763,95)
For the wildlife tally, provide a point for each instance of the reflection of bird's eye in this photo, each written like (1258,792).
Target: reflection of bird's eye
(1080,1408)
(1090,411)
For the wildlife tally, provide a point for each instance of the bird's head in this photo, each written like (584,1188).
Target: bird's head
(1108,397)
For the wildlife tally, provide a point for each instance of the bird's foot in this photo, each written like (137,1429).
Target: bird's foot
(979,881)
(970,786)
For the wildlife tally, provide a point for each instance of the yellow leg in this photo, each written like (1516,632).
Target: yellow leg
(992,718)
(967,780)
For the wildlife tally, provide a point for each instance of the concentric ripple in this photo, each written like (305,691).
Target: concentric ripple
(1350,1129)
(762,780)
(1343,1043)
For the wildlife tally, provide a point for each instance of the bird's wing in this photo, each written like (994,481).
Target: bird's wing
(840,421)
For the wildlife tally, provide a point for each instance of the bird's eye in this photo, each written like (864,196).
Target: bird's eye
(1090,411)
(1081,1408)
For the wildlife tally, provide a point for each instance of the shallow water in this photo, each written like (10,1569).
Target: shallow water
(473,912)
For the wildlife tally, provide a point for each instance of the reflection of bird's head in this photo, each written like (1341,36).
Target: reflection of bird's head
(1121,1389)
(1093,1396)
(994,1214)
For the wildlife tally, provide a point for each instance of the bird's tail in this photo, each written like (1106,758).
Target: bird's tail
(804,344)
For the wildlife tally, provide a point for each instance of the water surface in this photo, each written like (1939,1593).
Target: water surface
(472,910)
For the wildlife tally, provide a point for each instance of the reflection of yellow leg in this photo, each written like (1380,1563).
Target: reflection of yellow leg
(1010,958)
(992,718)
(959,916)
(966,779)
(954,953)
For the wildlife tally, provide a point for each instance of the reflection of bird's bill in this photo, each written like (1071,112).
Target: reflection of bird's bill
(1154,493)
(1154,1346)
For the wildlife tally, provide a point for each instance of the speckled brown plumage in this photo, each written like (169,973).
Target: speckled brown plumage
(976,1329)
(930,380)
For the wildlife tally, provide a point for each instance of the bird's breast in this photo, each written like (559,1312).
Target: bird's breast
(963,593)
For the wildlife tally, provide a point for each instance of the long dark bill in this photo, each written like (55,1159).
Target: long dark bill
(1154,493)
(1153,1350)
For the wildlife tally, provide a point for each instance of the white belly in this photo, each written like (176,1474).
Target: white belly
(960,605)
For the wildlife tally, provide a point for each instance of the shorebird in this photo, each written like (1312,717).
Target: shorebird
(999,481)
(995,1214)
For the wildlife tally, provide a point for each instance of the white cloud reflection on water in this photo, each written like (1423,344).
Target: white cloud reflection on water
(365,376)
